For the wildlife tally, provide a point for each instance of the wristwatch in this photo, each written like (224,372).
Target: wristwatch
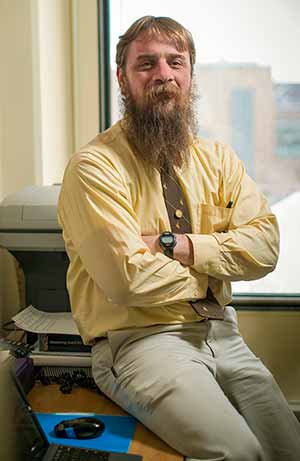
(167,241)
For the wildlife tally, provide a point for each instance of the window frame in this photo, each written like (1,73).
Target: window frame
(104,64)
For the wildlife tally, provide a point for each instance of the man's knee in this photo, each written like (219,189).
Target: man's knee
(239,447)
(246,450)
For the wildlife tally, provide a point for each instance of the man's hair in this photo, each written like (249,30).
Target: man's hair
(153,26)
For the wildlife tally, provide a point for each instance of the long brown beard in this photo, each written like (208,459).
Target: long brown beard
(161,127)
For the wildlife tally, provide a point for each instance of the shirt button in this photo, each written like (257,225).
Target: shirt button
(178,214)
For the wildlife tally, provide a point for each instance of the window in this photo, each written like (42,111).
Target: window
(288,137)
(248,76)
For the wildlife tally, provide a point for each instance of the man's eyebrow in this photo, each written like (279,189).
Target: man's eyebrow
(154,56)
(145,56)
(178,55)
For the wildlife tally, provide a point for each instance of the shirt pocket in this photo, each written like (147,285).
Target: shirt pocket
(212,218)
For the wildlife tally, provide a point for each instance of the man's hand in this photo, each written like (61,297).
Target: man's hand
(183,251)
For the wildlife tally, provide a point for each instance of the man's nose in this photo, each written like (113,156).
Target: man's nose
(163,72)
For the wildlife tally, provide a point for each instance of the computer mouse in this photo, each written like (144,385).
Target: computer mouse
(79,428)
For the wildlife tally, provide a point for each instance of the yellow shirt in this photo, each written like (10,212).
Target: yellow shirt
(108,201)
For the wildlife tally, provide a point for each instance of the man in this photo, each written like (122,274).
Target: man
(176,363)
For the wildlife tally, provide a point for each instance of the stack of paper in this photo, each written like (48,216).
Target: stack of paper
(40,322)
(36,321)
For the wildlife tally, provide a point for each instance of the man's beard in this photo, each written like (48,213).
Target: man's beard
(162,126)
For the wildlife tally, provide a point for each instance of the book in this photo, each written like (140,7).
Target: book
(57,342)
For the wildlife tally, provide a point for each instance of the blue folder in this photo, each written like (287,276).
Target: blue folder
(117,435)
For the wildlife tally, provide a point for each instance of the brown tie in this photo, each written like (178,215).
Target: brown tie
(180,224)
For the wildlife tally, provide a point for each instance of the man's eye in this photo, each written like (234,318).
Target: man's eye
(176,63)
(145,65)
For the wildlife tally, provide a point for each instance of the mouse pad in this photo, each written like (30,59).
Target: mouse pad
(117,434)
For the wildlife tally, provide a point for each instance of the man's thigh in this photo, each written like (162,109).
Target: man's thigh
(251,388)
(166,379)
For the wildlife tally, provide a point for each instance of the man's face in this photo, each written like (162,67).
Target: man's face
(158,102)
(151,62)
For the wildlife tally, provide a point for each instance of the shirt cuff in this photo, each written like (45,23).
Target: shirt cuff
(206,252)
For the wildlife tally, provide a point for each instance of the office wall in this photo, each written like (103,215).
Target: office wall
(86,75)
(17,149)
(52,86)
(274,337)
(49,103)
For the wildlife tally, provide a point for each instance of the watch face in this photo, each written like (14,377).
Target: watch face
(168,239)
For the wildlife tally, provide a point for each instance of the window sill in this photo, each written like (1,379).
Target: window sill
(276,302)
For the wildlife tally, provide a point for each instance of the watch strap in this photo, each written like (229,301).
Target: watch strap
(169,252)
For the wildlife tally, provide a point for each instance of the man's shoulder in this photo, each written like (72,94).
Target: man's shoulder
(108,137)
(203,143)
(108,146)
(207,144)
(111,140)
(212,148)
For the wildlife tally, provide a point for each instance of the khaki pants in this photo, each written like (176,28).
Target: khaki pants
(200,389)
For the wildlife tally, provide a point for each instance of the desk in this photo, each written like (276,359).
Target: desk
(49,399)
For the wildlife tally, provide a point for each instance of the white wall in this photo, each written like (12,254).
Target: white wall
(53,89)
(48,88)
(17,149)
(86,75)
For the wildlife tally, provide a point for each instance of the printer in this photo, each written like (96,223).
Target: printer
(29,230)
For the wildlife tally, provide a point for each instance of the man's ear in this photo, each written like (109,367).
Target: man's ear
(121,79)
